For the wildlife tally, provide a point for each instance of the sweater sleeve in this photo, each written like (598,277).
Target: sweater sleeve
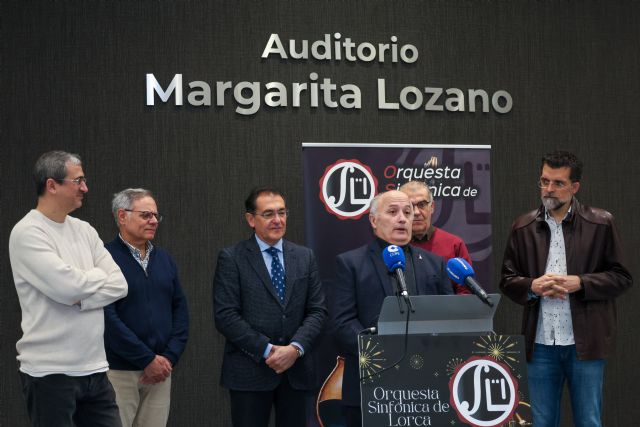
(114,286)
(35,258)
(121,340)
(180,321)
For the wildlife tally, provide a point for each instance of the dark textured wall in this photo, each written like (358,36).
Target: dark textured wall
(73,77)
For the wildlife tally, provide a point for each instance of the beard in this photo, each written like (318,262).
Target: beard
(552,203)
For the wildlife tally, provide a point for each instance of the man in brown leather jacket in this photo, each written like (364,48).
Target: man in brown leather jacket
(564,263)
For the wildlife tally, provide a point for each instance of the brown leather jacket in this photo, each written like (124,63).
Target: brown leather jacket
(594,252)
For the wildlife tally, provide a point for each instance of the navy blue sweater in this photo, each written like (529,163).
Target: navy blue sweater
(152,319)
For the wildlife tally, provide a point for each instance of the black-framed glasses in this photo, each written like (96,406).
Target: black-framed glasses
(147,215)
(559,185)
(77,181)
(270,214)
(422,205)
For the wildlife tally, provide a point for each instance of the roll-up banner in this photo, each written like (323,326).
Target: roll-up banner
(340,180)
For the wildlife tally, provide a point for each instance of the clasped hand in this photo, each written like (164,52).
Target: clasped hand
(281,358)
(555,285)
(156,371)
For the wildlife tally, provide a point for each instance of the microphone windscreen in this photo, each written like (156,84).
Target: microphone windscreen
(393,257)
(459,269)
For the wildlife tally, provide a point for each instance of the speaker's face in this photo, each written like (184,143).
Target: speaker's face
(393,217)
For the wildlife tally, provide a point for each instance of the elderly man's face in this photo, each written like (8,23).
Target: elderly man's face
(423,207)
(134,228)
(392,221)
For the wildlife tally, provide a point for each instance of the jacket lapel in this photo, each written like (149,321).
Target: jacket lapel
(375,254)
(420,272)
(255,258)
(542,251)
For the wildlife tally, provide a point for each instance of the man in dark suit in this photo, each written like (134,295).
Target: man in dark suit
(269,305)
(363,281)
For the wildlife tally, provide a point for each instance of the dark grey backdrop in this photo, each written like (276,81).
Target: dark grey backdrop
(73,74)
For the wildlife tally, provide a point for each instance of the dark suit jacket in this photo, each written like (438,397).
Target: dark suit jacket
(250,315)
(362,283)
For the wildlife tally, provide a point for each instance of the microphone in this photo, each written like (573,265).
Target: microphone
(461,272)
(368,331)
(393,257)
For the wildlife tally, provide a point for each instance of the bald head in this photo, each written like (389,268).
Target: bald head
(390,217)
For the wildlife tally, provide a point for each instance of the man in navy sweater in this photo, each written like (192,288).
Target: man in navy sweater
(145,333)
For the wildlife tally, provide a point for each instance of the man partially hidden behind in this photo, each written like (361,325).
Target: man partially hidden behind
(564,264)
(363,281)
(269,305)
(146,332)
(428,237)
(64,277)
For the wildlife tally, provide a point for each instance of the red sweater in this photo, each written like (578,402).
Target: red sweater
(446,245)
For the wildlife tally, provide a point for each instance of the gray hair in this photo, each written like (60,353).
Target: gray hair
(52,164)
(375,202)
(125,199)
(416,185)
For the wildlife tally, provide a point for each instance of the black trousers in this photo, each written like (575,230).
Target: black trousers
(253,408)
(63,401)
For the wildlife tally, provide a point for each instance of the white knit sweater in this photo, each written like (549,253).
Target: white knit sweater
(63,276)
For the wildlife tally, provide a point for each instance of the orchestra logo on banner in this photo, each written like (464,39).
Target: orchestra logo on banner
(483,392)
(347,188)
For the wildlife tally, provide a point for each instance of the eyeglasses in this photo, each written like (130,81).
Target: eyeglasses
(282,213)
(77,181)
(147,215)
(422,205)
(558,185)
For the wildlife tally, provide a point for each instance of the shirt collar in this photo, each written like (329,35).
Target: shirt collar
(264,246)
(568,215)
(383,244)
(133,249)
(542,215)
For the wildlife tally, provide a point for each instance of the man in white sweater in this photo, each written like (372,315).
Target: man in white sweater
(63,277)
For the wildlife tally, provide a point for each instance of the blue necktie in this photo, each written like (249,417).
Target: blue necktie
(277,273)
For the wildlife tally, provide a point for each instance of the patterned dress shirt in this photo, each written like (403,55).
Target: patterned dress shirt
(137,253)
(555,326)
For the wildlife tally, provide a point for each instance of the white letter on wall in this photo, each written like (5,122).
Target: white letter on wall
(153,85)
(269,48)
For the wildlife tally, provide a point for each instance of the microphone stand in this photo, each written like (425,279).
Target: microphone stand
(403,291)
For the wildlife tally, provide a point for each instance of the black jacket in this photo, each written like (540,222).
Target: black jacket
(355,299)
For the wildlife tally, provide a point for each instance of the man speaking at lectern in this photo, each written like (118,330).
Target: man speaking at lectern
(564,264)
(363,281)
